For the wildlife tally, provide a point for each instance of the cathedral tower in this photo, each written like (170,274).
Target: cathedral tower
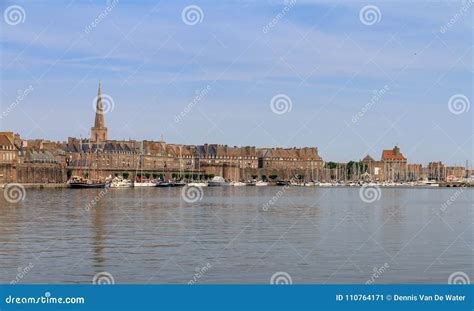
(99,131)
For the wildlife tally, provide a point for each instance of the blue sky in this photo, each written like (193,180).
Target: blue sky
(320,54)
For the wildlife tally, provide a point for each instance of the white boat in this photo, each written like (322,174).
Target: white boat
(218,181)
(197,184)
(309,184)
(427,183)
(432,183)
(238,184)
(118,182)
(145,183)
(261,183)
(325,184)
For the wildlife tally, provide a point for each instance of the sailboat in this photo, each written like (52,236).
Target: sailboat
(79,182)
(143,182)
(199,182)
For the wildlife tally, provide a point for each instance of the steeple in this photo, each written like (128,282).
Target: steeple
(99,112)
(99,131)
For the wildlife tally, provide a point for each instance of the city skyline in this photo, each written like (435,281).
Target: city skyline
(321,55)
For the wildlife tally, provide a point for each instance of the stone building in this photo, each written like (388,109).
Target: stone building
(374,168)
(8,158)
(286,163)
(414,172)
(395,164)
(455,173)
(436,171)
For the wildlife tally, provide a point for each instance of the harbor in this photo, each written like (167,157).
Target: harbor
(101,162)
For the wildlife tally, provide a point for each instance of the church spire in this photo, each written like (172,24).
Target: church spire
(99,131)
(99,111)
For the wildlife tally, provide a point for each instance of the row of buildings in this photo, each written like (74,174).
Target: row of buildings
(43,161)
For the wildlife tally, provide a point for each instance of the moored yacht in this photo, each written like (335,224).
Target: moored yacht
(119,182)
(432,183)
(163,184)
(82,183)
(197,184)
(218,181)
(145,183)
(178,183)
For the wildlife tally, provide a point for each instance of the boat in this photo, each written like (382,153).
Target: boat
(197,184)
(238,184)
(90,179)
(145,183)
(325,184)
(309,184)
(119,182)
(178,183)
(163,184)
(81,183)
(261,183)
(282,183)
(432,183)
(218,181)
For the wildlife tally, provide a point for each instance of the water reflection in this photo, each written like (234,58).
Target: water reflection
(317,235)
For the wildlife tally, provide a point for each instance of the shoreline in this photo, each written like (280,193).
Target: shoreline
(441,185)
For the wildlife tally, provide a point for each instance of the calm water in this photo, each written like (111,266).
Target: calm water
(316,235)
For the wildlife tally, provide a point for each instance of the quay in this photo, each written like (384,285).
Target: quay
(40,185)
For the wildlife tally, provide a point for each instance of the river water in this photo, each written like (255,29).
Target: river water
(237,235)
